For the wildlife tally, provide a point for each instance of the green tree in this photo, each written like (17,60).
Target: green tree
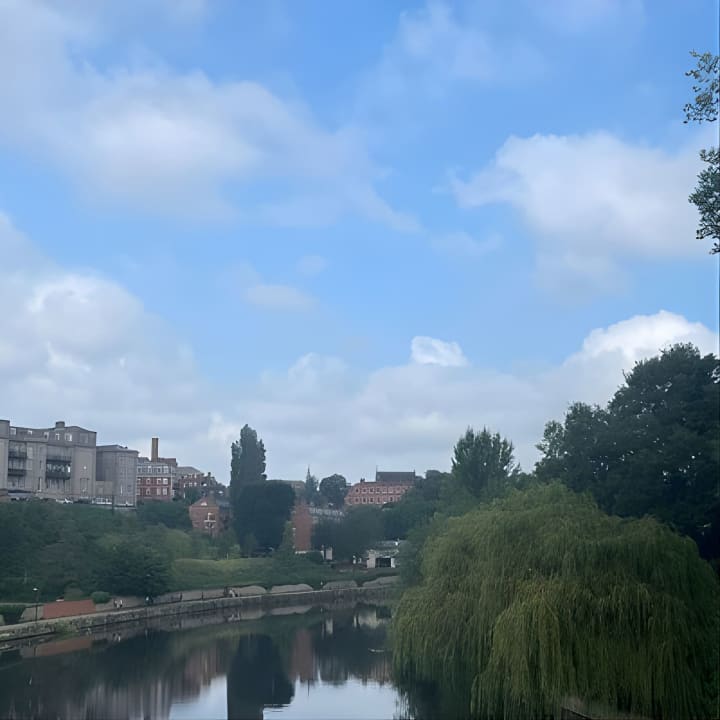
(655,449)
(415,507)
(132,569)
(706,196)
(334,489)
(483,463)
(310,494)
(169,514)
(360,528)
(262,510)
(540,596)
(247,464)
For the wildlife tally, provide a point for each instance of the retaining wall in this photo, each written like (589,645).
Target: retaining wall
(268,602)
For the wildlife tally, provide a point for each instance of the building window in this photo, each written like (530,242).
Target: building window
(57,436)
(84,438)
(68,437)
(165,481)
(165,491)
(147,491)
(157,491)
(13,431)
(29,432)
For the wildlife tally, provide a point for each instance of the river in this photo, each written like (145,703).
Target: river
(308,663)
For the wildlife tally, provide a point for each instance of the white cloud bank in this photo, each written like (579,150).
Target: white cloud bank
(146,136)
(79,347)
(591,200)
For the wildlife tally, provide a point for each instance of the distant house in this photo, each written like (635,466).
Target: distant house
(383,554)
(210,515)
(388,487)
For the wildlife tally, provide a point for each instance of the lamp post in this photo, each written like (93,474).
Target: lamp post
(37,595)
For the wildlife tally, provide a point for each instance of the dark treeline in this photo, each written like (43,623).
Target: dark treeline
(74,550)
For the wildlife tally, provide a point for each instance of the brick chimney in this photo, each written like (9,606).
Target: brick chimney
(154,450)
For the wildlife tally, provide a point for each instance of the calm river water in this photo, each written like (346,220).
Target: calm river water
(308,664)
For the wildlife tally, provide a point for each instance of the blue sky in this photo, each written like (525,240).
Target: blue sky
(359,227)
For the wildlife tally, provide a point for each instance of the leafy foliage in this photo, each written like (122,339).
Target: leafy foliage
(136,570)
(654,450)
(247,464)
(353,535)
(170,514)
(706,197)
(483,463)
(311,494)
(54,547)
(541,596)
(334,489)
(261,510)
(416,506)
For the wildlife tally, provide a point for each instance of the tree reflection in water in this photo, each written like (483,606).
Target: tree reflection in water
(256,679)
(144,676)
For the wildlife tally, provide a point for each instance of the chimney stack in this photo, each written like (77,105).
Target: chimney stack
(154,450)
(59,424)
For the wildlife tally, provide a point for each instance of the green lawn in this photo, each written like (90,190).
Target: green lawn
(190,574)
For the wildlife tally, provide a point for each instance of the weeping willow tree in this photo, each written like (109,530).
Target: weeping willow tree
(539,598)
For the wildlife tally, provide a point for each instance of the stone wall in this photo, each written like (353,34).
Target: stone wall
(267,602)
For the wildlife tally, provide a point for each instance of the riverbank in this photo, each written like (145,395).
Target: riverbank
(275,599)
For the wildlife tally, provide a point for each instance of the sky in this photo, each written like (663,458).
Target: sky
(358,227)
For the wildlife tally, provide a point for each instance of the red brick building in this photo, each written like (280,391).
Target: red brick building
(210,515)
(156,476)
(388,487)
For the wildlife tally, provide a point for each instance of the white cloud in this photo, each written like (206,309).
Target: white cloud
(311,265)
(435,49)
(464,245)
(430,351)
(246,280)
(573,16)
(80,347)
(590,200)
(278,297)
(149,137)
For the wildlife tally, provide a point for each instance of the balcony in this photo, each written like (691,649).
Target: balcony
(58,460)
(16,471)
(17,454)
(57,473)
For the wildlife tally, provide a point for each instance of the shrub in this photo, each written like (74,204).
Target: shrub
(315,556)
(100,597)
(72,592)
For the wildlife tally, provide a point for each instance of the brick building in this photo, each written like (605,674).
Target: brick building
(304,517)
(189,479)
(156,476)
(210,515)
(388,487)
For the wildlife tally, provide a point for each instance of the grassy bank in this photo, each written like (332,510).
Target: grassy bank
(190,574)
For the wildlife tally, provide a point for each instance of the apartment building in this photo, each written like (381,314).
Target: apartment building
(156,476)
(54,463)
(116,475)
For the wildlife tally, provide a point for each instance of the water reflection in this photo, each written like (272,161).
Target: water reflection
(335,662)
